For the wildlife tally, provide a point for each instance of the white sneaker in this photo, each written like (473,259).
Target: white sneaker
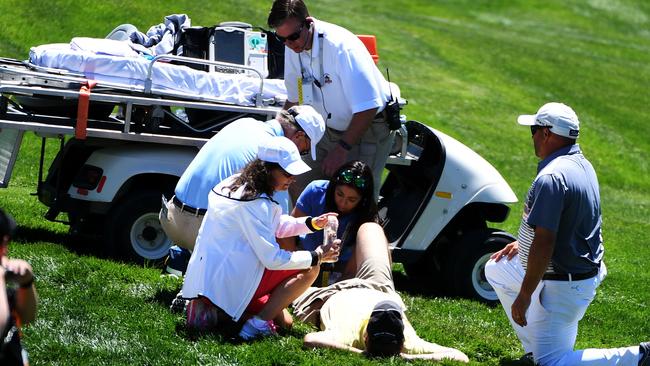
(256,327)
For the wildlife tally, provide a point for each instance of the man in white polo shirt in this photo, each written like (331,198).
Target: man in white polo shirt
(328,67)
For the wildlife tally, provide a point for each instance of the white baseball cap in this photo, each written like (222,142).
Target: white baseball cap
(283,151)
(559,117)
(311,122)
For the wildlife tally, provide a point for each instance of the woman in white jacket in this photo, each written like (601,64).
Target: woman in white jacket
(237,264)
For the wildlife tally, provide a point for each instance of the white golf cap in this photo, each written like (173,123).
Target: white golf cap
(283,151)
(560,117)
(310,121)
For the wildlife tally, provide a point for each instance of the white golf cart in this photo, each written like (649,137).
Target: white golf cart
(437,201)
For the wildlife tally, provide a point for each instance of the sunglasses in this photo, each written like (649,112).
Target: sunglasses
(534,128)
(292,37)
(348,177)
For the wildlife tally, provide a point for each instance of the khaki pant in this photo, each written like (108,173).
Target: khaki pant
(181,227)
(373,272)
(373,149)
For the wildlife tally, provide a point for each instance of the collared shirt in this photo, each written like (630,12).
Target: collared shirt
(565,199)
(350,83)
(223,155)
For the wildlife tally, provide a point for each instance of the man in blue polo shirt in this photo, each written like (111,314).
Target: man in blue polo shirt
(548,277)
(224,155)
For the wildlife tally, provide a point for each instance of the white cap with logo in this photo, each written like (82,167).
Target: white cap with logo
(310,121)
(559,117)
(283,151)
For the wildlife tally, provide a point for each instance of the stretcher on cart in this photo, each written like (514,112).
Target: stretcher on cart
(65,91)
(127,128)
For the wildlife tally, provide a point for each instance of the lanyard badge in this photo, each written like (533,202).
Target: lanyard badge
(305,90)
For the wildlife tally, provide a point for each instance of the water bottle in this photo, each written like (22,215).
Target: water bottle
(329,233)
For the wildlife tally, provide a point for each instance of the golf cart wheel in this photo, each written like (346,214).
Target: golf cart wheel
(134,229)
(468,272)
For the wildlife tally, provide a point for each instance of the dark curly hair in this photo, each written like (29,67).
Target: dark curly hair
(366,210)
(257,178)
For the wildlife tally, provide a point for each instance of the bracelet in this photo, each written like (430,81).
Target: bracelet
(315,258)
(345,145)
(315,225)
(311,224)
(28,284)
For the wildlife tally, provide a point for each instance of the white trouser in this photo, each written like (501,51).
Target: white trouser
(555,309)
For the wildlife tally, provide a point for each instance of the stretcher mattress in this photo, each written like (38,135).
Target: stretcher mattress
(115,63)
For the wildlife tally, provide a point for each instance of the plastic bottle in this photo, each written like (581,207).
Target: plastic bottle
(329,233)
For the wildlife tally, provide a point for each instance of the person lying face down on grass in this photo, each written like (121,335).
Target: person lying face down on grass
(364,314)
(237,265)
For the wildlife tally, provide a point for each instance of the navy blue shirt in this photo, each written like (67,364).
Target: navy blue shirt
(565,199)
(312,203)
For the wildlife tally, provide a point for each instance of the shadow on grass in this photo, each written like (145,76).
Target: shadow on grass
(92,245)
(165,297)
(86,245)
(226,331)
(430,289)
(28,235)
(416,287)
(514,363)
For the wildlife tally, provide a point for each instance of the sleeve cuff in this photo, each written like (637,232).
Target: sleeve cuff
(310,225)
(314,258)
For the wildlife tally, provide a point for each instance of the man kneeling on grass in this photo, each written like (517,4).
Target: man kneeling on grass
(364,314)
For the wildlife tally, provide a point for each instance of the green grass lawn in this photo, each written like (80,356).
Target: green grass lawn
(467,68)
